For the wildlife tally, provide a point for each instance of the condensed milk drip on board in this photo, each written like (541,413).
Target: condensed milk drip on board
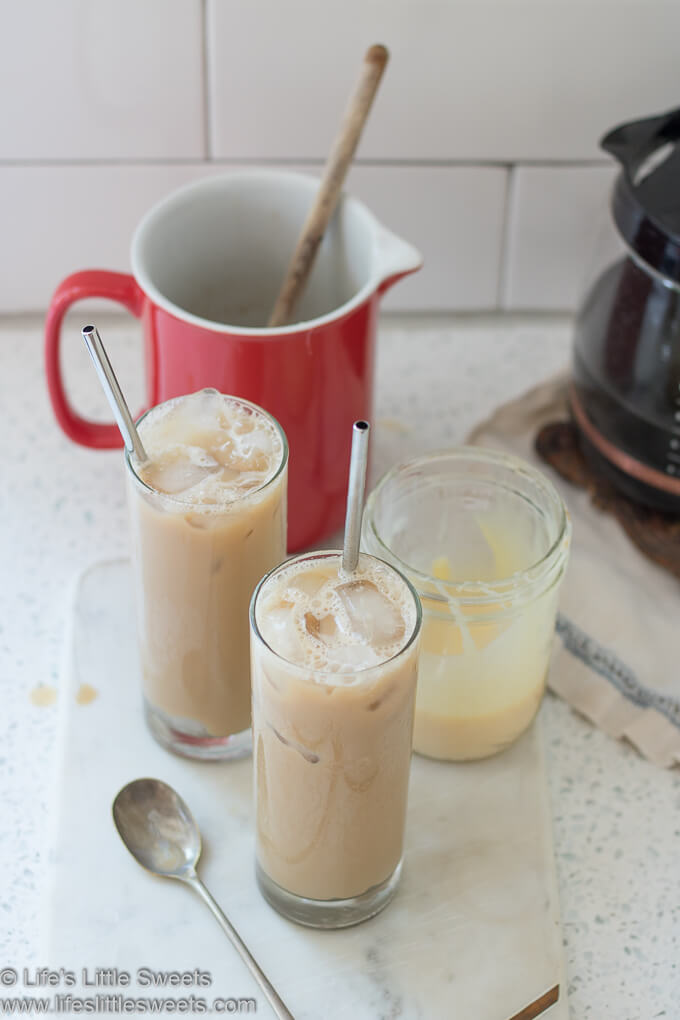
(208,522)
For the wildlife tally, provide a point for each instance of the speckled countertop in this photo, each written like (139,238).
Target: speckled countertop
(616,818)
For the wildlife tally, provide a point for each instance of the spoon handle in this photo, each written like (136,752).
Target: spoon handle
(273,997)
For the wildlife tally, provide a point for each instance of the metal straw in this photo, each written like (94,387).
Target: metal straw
(114,394)
(355,495)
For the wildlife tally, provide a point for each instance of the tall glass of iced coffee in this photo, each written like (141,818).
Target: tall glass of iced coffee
(208,519)
(334,666)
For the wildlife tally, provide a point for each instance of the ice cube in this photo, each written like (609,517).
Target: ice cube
(229,475)
(381,699)
(254,439)
(278,630)
(202,521)
(179,473)
(242,426)
(204,408)
(251,459)
(225,452)
(324,629)
(252,451)
(191,415)
(201,458)
(311,756)
(306,584)
(242,458)
(352,658)
(372,616)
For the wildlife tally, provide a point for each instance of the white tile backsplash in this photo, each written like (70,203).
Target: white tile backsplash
(61,219)
(454,216)
(105,105)
(101,79)
(69,218)
(556,219)
(508,80)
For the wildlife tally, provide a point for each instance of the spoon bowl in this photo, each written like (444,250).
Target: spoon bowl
(157,828)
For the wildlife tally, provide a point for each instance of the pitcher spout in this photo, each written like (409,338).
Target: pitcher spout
(395,259)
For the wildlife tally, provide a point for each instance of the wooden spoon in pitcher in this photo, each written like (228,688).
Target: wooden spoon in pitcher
(335,171)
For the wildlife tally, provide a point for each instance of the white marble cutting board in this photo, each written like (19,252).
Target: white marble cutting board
(473,933)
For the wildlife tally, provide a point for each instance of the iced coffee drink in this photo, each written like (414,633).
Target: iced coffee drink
(208,519)
(334,665)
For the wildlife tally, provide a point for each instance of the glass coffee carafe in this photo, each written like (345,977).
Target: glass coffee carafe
(625,390)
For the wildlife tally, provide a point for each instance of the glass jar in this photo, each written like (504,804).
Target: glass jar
(484,538)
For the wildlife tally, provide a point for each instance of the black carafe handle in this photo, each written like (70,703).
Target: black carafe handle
(633,142)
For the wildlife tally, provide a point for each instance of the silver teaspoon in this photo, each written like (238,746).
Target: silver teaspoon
(160,832)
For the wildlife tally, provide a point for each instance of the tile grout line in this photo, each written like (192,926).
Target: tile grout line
(208,147)
(444,319)
(155,161)
(505,238)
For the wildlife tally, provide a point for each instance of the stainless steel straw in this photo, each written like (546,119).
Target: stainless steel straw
(114,394)
(355,495)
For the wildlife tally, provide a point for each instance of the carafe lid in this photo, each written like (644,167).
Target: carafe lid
(646,197)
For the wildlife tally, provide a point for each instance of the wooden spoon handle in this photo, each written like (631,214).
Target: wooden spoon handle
(334,174)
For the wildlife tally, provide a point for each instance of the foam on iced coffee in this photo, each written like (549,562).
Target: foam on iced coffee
(208,449)
(321,618)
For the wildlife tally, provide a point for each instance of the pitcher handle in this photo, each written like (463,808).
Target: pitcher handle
(101,283)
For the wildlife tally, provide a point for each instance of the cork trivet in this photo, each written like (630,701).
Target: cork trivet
(656,534)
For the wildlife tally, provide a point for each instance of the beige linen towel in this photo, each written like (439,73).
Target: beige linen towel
(616,657)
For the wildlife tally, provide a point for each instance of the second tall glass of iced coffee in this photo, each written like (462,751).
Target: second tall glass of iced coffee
(334,666)
(208,519)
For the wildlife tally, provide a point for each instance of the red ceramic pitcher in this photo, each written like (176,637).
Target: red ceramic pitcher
(207,263)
